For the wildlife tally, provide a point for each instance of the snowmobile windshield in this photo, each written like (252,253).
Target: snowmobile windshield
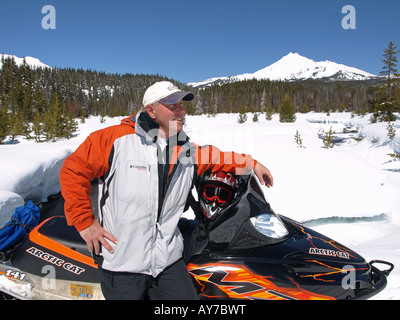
(270,225)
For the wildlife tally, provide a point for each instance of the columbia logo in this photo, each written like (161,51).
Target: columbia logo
(138,167)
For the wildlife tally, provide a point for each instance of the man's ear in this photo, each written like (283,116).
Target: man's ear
(150,111)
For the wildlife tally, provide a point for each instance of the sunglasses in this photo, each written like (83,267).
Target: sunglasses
(221,194)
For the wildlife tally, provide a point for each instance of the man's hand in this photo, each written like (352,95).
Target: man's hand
(263,175)
(94,235)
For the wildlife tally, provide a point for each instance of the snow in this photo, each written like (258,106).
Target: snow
(355,185)
(296,67)
(30,61)
(29,170)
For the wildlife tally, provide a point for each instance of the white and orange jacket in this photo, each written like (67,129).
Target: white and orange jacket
(142,190)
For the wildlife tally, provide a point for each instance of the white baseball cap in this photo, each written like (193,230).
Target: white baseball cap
(165,92)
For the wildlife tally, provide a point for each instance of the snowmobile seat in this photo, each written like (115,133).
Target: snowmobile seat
(57,229)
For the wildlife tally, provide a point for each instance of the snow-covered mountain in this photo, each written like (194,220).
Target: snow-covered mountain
(295,67)
(32,62)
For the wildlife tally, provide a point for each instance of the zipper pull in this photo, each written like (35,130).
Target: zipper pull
(159,230)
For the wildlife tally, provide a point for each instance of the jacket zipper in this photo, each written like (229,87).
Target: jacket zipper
(162,178)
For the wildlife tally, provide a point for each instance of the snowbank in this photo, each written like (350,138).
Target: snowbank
(9,201)
(29,170)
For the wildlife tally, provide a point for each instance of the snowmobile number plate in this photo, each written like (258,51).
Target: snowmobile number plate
(81,291)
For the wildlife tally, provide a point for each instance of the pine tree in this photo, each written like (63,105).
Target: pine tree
(298,139)
(263,101)
(391,131)
(15,126)
(52,124)
(70,125)
(305,108)
(255,117)
(389,69)
(269,112)
(3,124)
(387,94)
(37,127)
(287,112)
(242,117)
(328,139)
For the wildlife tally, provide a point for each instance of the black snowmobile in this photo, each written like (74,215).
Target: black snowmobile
(236,248)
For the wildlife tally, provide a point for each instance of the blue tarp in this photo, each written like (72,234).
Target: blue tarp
(24,218)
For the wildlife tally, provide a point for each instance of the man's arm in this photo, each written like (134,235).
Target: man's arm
(94,235)
(79,169)
(211,158)
(263,175)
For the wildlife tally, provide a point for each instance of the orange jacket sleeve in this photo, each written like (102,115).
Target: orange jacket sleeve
(88,162)
(211,158)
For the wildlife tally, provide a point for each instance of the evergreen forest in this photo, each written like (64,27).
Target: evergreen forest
(45,104)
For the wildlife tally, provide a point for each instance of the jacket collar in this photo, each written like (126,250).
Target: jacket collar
(148,128)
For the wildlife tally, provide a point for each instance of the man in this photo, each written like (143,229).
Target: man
(146,167)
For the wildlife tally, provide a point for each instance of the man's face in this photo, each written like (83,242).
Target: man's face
(170,117)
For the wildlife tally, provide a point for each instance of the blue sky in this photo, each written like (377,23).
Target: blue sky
(192,40)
